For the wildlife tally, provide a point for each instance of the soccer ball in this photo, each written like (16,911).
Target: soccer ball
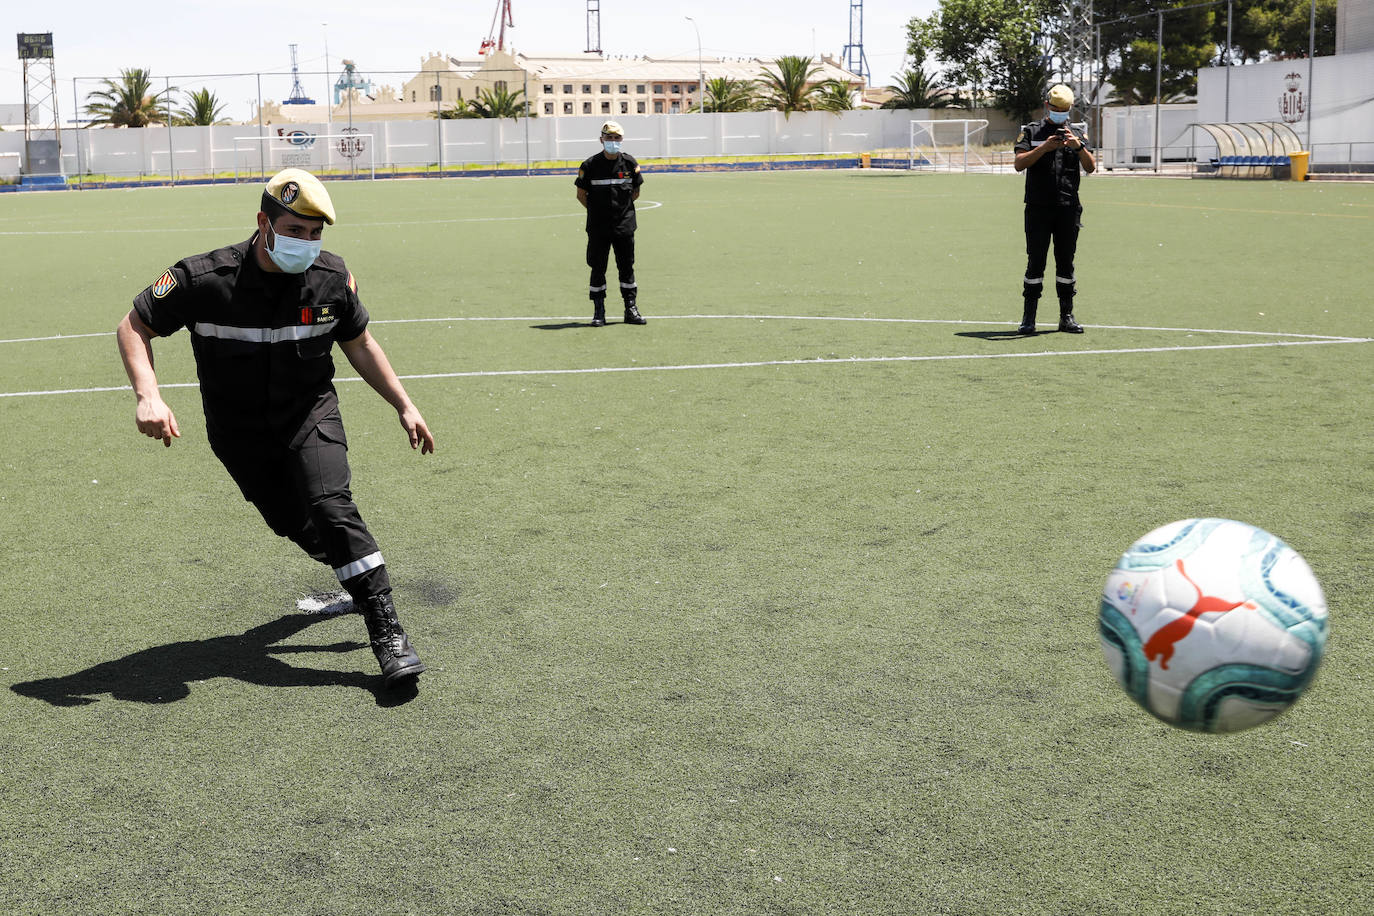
(1212,625)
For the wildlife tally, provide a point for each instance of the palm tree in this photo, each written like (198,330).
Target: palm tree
(915,89)
(790,89)
(726,94)
(128,102)
(834,95)
(498,102)
(202,109)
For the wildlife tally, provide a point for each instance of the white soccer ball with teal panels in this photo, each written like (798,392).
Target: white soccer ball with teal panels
(1213,625)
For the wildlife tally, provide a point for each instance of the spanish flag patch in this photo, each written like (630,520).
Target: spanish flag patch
(165,284)
(352,284)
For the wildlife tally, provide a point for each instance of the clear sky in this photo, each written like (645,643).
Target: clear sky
(179,39)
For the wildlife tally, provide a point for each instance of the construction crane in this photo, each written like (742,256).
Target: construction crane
(496,38)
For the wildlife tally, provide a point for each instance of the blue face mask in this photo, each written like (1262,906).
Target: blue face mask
(293,256)
(612,146)
(1057,117)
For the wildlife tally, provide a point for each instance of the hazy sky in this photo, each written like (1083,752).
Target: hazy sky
(178,39)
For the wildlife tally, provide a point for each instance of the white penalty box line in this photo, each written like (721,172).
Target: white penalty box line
(1288,340)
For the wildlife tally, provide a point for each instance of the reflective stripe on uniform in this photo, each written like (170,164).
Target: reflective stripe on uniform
(628,286)
(597,289)
(604,181)
(261,335)
(358,567)
(1059,279)
(1037,281)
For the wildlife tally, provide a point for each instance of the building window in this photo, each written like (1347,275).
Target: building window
(639,106)
(676,107)
(677,89)
(658,106)
(658,88)
(500,85)
(640,88)
(605,88)
(624,88)
(412,95)
(692,88)
(548,88)
(567,107)
(567,88)
(605,107)
(625,107)
(436,93)
(586,88)
(586,107)
(548,108)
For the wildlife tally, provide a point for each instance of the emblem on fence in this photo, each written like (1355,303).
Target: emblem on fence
(1292,103)
(351,146)
(301,138)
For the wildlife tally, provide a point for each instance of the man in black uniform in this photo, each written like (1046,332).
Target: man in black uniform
(263,316)
(608,186)
(1053,154)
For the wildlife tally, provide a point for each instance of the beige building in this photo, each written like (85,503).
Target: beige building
(582,84)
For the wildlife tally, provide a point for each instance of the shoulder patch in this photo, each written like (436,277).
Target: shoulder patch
(352,284)
(1021,136)
(165,284)
(581,173)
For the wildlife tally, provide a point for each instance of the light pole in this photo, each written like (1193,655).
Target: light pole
(328,90)
(701,74)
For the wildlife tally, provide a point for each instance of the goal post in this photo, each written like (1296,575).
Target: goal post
(948,145)
(349,152)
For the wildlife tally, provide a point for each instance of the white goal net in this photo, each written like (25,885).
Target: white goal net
(349,152)
(948,146)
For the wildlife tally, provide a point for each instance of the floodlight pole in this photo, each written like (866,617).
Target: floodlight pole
(1311,55)
(1159,75)
(701,74)
(328,89)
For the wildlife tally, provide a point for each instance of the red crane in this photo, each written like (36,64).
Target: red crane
(496,38)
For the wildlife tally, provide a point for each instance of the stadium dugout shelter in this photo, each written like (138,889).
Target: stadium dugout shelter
(1253,149)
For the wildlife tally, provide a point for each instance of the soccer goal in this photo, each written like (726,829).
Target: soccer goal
(349,152)
(948,146)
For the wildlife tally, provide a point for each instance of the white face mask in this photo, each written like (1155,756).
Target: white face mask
(293,256)
(612,146)
(1057,117)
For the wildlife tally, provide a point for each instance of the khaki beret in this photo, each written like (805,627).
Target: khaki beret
(301,193)
(611,127)
(1060,96)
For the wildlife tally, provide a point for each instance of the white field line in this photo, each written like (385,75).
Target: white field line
(645,205)
(1301,341)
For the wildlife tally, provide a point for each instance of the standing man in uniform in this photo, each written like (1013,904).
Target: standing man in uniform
(1053,154)
(608,186)
(263,316)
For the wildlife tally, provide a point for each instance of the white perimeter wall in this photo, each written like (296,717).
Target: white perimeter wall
(205,150)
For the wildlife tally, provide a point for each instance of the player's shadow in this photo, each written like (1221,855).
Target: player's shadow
(164,674)
(1011,334)
(563,326)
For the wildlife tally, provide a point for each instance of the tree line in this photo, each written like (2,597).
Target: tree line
(996,50)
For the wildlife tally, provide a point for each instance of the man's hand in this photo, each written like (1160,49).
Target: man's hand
(156,420)
(414,425)
(1070,139)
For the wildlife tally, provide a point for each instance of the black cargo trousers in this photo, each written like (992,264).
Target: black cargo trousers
(302,491)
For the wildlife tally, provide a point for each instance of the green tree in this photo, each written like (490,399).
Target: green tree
(834,95)
(202,109)
(497,102)
(1130,47)
(1264,29)
(917,89)
(726,94)
(128,101)
(790,88)
(988,48)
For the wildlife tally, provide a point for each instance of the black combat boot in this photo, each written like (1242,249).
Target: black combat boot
(1028,317)
(1066,322)
(389,642)
(598,313)
(632,315)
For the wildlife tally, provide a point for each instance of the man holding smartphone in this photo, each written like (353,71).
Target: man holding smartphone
(1053,153)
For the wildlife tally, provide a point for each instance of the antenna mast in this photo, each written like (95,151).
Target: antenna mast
(593,26)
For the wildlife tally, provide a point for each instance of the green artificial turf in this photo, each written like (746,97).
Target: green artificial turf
(807,628)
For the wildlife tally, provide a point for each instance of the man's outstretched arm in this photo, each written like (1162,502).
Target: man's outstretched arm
(152,415)
(366,356)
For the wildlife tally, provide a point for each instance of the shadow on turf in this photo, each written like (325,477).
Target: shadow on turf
(562,327)
(164,674)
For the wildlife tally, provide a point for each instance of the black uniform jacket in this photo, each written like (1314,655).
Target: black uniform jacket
(610,185)
(1053,180)
(261,340)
